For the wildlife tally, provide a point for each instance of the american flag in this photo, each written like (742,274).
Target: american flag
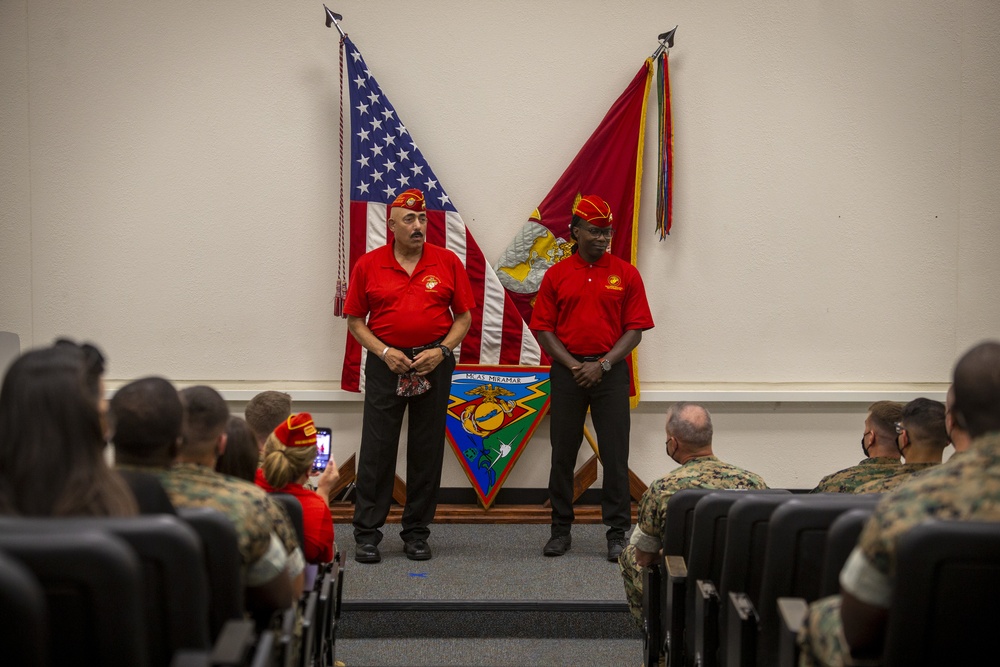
(385,161)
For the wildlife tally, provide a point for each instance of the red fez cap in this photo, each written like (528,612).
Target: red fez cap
(297,431)
(594,210)
(411,199)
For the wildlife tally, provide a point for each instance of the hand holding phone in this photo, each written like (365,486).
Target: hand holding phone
(323,437)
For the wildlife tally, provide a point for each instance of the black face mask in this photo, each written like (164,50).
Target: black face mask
(863,449)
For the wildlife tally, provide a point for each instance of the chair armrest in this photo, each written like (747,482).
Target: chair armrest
(792,614)
(675,609)
(706,624)
(741,627)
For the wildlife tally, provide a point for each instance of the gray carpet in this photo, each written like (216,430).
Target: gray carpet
(484,562)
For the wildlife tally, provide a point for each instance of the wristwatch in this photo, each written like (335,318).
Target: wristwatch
(605,364)
(445,350)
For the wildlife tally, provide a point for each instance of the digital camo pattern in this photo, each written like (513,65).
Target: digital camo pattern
(966,488)
(245,505)
(706,472)
(821,637)
(907,472)
(849,479)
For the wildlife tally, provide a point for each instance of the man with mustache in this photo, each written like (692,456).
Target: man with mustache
(409,304)
(589,315)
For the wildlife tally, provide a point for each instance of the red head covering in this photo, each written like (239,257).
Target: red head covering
(411,199)
(594,210)
(297,431)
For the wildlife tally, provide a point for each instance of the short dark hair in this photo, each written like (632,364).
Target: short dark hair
(884,415)
(694,432)
(976,381)
(266,410)
(93,363)
(205,416)
(148,419)
(924,418)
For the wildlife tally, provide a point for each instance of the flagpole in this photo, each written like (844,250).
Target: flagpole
(666,41)
(333,19)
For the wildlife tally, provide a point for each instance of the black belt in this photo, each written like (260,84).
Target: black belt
(411,352)
(591,357)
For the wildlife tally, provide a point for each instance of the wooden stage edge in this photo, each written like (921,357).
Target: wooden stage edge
(344,513)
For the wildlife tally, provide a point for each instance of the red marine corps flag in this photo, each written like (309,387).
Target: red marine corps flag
(385,161)
(610,166)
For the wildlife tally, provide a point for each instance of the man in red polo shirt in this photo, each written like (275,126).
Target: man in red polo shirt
(417,300)
(589,315)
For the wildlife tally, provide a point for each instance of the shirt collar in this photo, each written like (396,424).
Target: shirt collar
(580,263)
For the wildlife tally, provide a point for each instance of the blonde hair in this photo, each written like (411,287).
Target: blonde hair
(283,465)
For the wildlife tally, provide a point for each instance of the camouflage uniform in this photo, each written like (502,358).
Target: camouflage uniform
(966,488)
(705,472)
(849,479)
(907,472)
(260,523)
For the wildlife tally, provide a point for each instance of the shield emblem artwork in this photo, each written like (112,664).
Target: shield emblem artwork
(492,413)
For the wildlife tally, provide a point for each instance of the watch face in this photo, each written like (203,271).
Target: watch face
(445,350)
(606,365)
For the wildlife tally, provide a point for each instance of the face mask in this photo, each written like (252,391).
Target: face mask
(863,448)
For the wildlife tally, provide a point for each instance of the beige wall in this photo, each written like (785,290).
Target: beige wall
(169,189)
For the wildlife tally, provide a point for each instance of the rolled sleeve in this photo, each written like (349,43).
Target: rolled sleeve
(268,566)
(865,582)
(644,542)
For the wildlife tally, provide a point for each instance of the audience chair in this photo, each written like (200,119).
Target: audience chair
(327,591)
(223,565)
(309,606)
(704,569)
(294,510)
(796,542)
(676,541)
(946,612)
(743,557)
(24,631)
(840,540)
(285,643)
(175,587)
(93,588)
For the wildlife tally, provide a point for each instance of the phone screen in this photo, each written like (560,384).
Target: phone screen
(322,449)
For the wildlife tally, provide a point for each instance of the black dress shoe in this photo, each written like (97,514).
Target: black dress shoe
(367,553)
(616,546)
(417,550)
(557,546)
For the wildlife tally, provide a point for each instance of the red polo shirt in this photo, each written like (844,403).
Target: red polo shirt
(317,522)
(589,306)
(409,310)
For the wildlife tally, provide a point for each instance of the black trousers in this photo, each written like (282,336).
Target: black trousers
(609,408)
(382,423)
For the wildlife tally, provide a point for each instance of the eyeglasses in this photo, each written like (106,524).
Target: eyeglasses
(899,427)
(596,232)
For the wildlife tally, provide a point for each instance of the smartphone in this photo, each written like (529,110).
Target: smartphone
(323,436)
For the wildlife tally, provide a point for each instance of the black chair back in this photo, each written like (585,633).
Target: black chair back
(840,541)
(796,544)
(24,631)
(704,564)
(175,586)
(294,509)
(223,565)
(944,608)
(93,589)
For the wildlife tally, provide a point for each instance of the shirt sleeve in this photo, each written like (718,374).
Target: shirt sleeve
(543,314)
(864,581)
(270,564)
(636,313)
(356,303)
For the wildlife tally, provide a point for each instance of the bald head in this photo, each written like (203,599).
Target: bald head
(976,384)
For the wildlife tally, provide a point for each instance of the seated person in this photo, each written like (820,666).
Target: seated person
(52,437)
(240,458)
(881,453)
(288,456)
(263,414)
(922,437)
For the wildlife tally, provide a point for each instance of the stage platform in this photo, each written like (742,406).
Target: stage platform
(487,597)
